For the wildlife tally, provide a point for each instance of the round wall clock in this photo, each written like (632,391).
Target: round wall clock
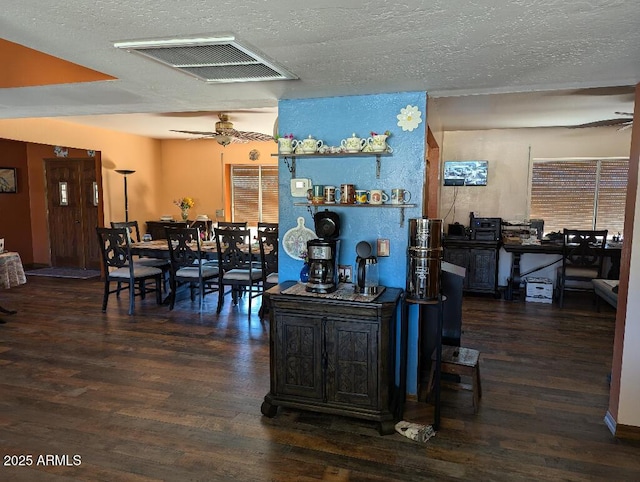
(254,155)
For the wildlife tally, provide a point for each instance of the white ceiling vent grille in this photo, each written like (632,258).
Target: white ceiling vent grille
(219,59)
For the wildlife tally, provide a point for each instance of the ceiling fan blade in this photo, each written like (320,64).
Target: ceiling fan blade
(250,136)
(603,123)
(197,133)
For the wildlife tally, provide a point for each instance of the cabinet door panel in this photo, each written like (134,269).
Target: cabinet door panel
(459,257)
(298,346)
(482,271)
(352,371)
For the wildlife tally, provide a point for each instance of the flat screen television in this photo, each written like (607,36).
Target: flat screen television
(465,173)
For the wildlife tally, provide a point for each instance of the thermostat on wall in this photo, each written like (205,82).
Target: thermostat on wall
(299,187)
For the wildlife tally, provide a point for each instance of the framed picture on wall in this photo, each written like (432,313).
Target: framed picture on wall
(8,182)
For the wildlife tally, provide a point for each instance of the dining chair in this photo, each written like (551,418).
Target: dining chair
(269,263)
(205,227)
(237,270)
(162,263)
(267,226)
(187,265)
(583,254)
(115,248)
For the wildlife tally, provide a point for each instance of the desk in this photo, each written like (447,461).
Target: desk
(613,251)
(11,274)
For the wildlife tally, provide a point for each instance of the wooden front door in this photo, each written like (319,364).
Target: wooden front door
(72,213)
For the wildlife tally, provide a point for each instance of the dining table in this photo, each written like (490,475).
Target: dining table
(159,248)
(11,274)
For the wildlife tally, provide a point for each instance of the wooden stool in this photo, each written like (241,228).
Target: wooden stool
(462,362)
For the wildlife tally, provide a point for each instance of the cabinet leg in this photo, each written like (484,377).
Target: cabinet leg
(268,410)
(387,427)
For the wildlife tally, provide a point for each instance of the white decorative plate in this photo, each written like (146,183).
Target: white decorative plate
(295,240)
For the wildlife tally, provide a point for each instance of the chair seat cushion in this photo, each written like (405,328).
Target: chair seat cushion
(272,278)
(580,272)
(192,272)
(243,274)
(139,271)
(604,288)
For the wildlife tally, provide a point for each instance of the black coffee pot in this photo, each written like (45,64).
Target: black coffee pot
(367,270)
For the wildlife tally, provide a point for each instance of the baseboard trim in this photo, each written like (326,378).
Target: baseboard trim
(625,432)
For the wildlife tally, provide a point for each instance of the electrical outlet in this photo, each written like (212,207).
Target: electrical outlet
(219,213)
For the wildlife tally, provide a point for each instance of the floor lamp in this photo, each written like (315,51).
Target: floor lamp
(125,173)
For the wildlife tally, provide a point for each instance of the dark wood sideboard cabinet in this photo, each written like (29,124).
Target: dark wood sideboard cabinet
(479,258)
(333,356)
(157,228)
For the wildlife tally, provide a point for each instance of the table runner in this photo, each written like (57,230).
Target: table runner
(11,270)
(344,293)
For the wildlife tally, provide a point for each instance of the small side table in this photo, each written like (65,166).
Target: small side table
(404,343)
(11,274)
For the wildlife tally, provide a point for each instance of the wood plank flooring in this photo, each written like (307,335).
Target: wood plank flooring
(176,396)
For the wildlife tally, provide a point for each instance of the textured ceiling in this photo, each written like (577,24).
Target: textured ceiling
(449,48)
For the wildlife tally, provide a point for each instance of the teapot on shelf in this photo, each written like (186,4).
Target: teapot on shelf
(311,145)
(353,143)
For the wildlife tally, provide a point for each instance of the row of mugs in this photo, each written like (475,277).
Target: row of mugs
(310,145)
(348,194)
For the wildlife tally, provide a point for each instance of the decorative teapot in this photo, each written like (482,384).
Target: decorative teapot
(311,145)
(353,143)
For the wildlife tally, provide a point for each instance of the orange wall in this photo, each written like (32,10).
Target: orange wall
(195,169)
(165,170)
(15,225)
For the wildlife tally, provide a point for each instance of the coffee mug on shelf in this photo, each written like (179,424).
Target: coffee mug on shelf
(361,196)
(400,196)
(377,196)
(329,194)
(346,194)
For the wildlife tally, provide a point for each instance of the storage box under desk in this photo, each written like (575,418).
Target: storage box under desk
(539,290)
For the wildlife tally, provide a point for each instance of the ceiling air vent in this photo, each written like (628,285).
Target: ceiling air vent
(213,59)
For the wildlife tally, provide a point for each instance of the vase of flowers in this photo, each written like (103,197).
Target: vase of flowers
(184,204)
(378,142)
(285,143)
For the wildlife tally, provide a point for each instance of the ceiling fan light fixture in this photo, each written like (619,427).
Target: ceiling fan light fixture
(219,59)
(223,140)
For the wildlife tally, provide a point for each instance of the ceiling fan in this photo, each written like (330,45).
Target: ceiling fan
(225,134)
(623,122)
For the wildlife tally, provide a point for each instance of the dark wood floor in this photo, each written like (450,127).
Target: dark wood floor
(176,396)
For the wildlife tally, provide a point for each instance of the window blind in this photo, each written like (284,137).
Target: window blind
(254,194)
(578,194)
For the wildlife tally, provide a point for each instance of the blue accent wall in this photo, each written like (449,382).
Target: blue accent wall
(331,120)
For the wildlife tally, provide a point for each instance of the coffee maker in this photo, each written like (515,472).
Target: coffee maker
(323,253)
(367,270)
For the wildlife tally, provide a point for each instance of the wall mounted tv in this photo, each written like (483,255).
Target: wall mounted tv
(465,173)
